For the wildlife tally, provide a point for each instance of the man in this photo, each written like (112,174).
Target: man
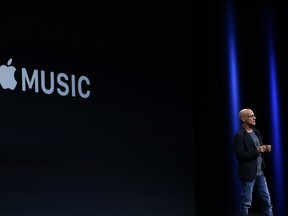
(250,153)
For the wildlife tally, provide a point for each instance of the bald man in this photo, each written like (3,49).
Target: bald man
(250,153)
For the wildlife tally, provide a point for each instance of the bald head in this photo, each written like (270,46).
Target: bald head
(245,112)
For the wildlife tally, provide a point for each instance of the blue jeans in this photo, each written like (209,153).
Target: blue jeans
(260,186)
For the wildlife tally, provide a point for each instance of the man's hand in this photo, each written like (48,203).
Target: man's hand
(261,148)
(267,148)
(264,148)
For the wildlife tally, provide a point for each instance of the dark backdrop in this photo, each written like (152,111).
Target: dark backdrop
(215,193)
(125,150)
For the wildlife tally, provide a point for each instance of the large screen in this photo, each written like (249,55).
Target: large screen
(95,113)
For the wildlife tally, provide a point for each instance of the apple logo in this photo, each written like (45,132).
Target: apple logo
(7,79)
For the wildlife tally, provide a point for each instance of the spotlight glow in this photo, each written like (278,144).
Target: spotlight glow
(234,101)
(276,131)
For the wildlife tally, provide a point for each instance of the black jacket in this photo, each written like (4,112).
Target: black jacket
(246,153)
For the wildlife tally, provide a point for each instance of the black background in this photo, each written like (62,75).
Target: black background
(215,193)
(125,150)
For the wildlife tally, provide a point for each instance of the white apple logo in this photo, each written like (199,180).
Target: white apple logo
(7,79)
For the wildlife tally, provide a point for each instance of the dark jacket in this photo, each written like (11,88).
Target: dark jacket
(246,153)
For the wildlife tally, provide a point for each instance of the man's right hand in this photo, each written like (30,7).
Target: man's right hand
(261,148)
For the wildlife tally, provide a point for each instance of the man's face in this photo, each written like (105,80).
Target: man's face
(250,118)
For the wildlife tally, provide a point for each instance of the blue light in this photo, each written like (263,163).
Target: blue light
(234,101)
(275,128)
